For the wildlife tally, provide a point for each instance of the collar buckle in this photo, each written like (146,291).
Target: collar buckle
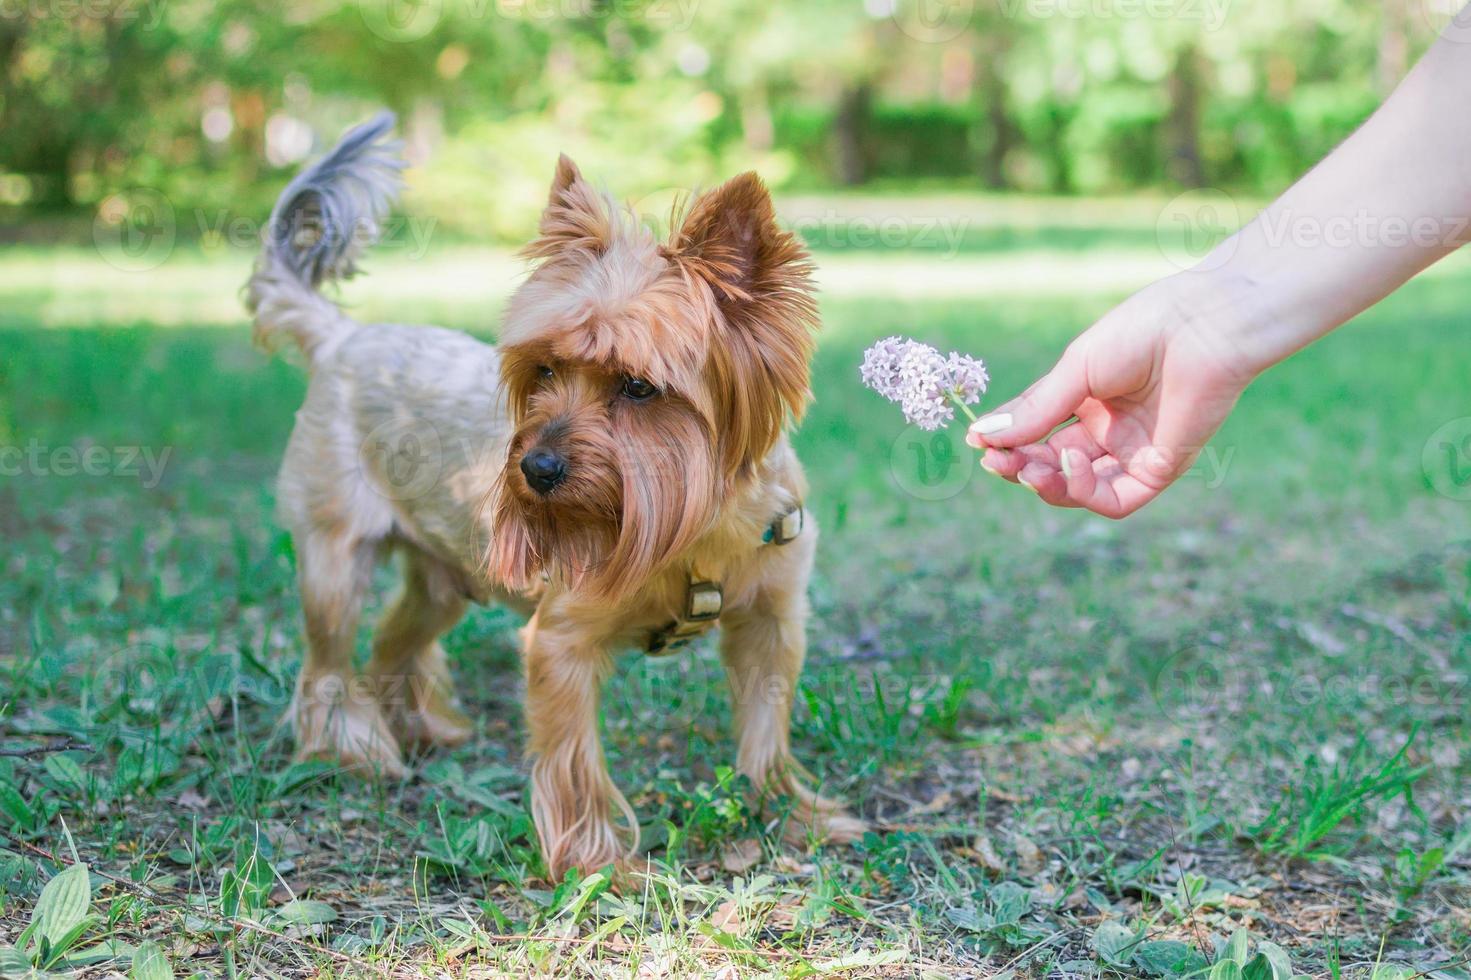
(703,602)
(787,527)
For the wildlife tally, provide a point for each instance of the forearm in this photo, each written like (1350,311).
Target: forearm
(1392,200)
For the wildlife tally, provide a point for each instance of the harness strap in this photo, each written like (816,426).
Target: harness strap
(704,600)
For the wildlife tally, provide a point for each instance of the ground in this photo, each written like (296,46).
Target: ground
(1088,748)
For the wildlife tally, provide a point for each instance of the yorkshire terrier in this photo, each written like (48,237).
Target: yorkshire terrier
(618,467)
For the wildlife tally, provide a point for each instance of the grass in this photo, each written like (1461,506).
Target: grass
(1090,748)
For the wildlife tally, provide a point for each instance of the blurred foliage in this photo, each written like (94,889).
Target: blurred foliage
(211,104)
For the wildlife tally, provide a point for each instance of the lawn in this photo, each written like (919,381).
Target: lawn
(1088,748)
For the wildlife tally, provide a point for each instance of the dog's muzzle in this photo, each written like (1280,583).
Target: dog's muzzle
(544,470)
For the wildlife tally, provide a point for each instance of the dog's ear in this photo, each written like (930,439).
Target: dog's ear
(576,216)
(567,174)
(761,280)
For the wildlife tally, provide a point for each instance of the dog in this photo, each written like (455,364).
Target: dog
(618,468)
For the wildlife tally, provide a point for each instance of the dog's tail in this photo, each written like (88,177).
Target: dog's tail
(319,228)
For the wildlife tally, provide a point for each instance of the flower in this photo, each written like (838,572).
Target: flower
(880,369)
(968,377)
(927,385)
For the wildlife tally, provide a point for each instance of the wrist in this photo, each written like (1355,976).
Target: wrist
(1227,320)
(1259,302)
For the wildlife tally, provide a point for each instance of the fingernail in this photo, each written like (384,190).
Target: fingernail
(988,468)
(974,441)
(991,424)
(1067,467)
(1024,482)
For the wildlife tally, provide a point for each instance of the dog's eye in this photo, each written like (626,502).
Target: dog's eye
(545,373)
(638,389)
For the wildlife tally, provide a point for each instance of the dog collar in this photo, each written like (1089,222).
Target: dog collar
(786,527)
(704,600)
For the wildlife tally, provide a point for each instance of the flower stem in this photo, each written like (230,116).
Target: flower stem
(961,405)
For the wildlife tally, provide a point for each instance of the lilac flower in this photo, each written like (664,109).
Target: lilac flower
(880,370)
(927,385)
(968,377)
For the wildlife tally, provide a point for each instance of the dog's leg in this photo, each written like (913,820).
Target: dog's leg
(334,714)
(409,668)
(573,799)
(762,647)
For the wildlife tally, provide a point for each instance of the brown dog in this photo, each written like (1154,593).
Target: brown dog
(618,468)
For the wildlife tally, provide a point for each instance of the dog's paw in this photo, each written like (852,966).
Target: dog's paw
(420,705)
(816,819)
(332,723)
(584,838)
(594,857)
(435,724)
(841,828)
(803,829)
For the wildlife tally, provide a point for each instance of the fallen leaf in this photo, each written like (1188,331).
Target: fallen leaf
(1028,854)
(727,917)
(740,856)
(939,803)
(1047,893)
(983,852)
(787,864)
(783,917)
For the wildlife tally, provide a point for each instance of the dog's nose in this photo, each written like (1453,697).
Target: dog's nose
(544,470)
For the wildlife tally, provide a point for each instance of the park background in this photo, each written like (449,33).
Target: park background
(1089,748)
(211,104)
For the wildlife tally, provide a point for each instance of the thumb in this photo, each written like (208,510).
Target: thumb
(1050,401)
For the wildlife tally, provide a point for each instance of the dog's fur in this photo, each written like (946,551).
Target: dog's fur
(411,439)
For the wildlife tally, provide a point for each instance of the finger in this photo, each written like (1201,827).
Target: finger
(1104,487)
(1038,410)
(1003,463)
(1096,483)
(1075,437)
(1120,495)
(1078,475)
(1067,450)
(1008,463)
(1047,482)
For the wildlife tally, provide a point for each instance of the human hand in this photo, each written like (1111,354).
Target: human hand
(1149,383)
(1152,381)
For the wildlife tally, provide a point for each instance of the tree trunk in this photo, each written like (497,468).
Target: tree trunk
(991,93)
(849,129)
(1182,127)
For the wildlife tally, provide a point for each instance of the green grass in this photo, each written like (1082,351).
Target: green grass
(1091,748)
